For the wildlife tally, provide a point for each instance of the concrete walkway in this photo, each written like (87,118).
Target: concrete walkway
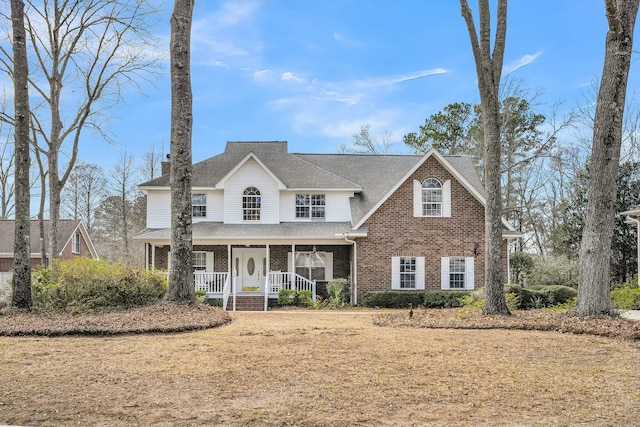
(631,314)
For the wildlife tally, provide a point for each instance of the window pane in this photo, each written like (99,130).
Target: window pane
(317,273)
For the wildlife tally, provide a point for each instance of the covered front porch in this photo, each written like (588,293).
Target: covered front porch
(226,287)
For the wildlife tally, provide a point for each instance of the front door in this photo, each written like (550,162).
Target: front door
(251,265)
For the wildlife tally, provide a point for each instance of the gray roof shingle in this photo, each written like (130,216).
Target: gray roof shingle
(7,234)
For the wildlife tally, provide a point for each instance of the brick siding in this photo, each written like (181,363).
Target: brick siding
(394,231)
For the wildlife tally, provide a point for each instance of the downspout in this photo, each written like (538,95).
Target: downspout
(355,268)
(637,223)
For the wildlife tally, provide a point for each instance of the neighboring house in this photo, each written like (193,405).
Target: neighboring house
(264,219)
(633,217)
(73,238)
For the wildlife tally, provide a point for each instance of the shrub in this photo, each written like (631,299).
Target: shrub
(304,298)
(626,299)
(84,284)
(293,297)
(557,270)
(338,291)
(393,299)
(287,297)
(541,296)
(444,299)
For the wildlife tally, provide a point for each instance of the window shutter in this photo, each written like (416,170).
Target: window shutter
(328,266)
(446,199)
(290,266)
(395,272)
(420,272)
(209,266)
(444,272)
(469,279)
(417,198)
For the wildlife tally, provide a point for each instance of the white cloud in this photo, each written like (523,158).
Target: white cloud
(289,76)
(392,80)
(520,62)
(262,75)
(346,41)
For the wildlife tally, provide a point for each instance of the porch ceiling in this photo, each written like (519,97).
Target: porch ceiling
(288,230)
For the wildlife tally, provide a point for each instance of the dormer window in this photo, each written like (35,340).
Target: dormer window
(251,202)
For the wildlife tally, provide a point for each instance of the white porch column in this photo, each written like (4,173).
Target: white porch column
(293,265)
(146,256)
(153,257)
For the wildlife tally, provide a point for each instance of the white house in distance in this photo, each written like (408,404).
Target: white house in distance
(633,217)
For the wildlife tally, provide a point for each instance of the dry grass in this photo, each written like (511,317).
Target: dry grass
(320,369)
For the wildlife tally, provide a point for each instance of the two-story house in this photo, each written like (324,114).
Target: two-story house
(264,218)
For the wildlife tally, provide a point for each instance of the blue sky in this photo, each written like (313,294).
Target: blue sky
(312,72)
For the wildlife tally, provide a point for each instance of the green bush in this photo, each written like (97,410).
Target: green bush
(393,299)
(304,298)
(626,299)
(444,299)
(293,297)
(84,284)
(338,290)
(534,297)
(287,297)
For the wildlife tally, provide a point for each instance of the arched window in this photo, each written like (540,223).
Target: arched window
(251,201)
(431,197)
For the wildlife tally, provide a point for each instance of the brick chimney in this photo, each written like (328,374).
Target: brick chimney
(166,166)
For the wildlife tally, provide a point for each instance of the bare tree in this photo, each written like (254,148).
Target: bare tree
(151,163)
(85,53)
(365,143)
(85,189)
(489,70)
(595,248)
(181,284)
(7,183)
(21,296)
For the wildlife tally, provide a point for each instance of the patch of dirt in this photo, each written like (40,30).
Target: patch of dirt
(315,368)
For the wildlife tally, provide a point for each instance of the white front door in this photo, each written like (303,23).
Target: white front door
(251,264)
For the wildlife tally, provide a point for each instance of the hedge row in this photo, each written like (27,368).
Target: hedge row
(541,296)
(427,299)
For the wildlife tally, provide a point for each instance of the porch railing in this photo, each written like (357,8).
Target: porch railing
(287,280)
(210,282)
(226,291)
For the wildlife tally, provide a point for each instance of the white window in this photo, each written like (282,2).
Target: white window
(313,265)
(199,205)
(407,273)
(310,206)
(251,202)
(457,272)
(75,246)
(199,261)
(431,198)
(202,261)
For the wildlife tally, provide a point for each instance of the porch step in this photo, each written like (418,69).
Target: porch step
(247,303)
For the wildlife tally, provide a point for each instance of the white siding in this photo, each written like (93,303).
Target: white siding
(215,209)
(337,206)
(158,209)
(251,174)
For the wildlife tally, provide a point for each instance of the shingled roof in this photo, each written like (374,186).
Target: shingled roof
(66,229)
(370,176)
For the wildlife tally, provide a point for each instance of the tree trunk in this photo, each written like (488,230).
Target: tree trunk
(181,283)
(22,246)
(595,249)
(489,69)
